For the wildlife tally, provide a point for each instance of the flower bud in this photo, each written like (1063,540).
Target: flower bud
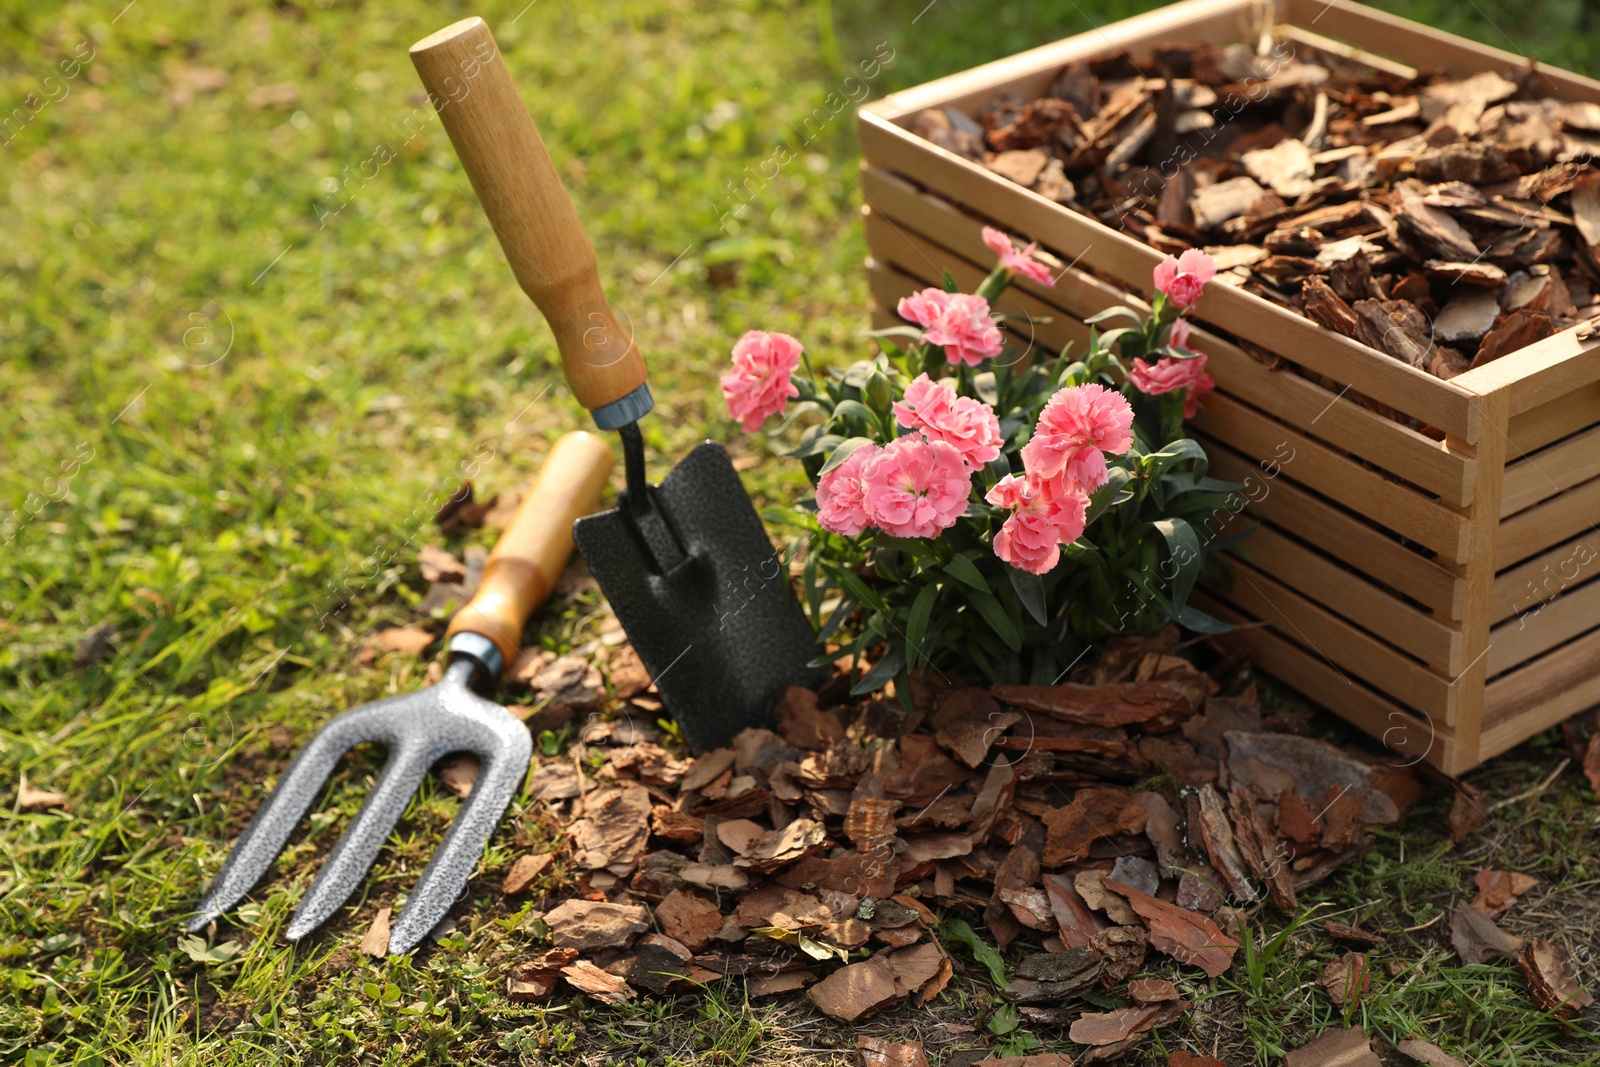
(878,393)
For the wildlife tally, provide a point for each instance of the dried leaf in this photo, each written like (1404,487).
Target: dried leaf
(1498,890)
(1346,979)
(1429,1053)
(439,565)
(1477,939)
(1335,1048)
(375,942)
(458,773)
(31,799)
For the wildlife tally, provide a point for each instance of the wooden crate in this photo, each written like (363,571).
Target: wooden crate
(1393,576)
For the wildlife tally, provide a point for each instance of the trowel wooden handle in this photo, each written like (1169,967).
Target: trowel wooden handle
(499,147)
(530,555)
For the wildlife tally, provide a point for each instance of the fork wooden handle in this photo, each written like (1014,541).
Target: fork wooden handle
(501,151)
(525,562)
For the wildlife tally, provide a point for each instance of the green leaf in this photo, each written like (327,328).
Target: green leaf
(1005,1019)
(1030,590)
(964,570)
(882,671)
(811,446)
(960,932)
(917,623)
(1002,624)
(1114,492)
(1191,618)
(914,333)
(1115,312)
(1184,549)
(853,409)
(843,451)
(863,592)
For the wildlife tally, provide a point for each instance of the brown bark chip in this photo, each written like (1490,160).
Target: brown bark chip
(856,990)
(689,918)
(881,1052)
(1095,812)
(524,871)
(1553,978)
(590,980)
(614,829)
(536,979)
(1184,935)
(587,925)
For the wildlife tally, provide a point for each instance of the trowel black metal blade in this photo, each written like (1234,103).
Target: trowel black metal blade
(719,629)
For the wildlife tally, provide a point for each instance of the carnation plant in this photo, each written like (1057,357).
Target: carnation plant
(985,513)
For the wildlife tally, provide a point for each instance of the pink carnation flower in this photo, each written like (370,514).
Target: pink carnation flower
(1168,374)
(842,496)
(759,383)
(915,487)
(1183,278)
(1017,261)
(968,425)
(959,322)
(1077,427)
(1046,515)
(925,308)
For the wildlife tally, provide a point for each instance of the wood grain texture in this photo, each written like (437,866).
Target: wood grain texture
(530,555)
(500,149)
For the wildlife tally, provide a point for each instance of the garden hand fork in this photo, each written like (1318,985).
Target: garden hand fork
(419,728)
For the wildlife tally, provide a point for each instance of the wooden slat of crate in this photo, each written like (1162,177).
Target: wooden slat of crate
(1557,519)
(1335,531)
(1402,729)
(1540,694)
(1355,651)
(1535,632)
(1385,502)
(1421,45)
(1533,430)
(1546,576)
(1374,609)
(928,224)
(1029,74)
(1551,470)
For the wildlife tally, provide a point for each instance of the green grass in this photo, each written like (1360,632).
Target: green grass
(245,353)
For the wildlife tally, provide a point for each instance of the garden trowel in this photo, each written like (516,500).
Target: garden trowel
(420,728)
(686,564)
